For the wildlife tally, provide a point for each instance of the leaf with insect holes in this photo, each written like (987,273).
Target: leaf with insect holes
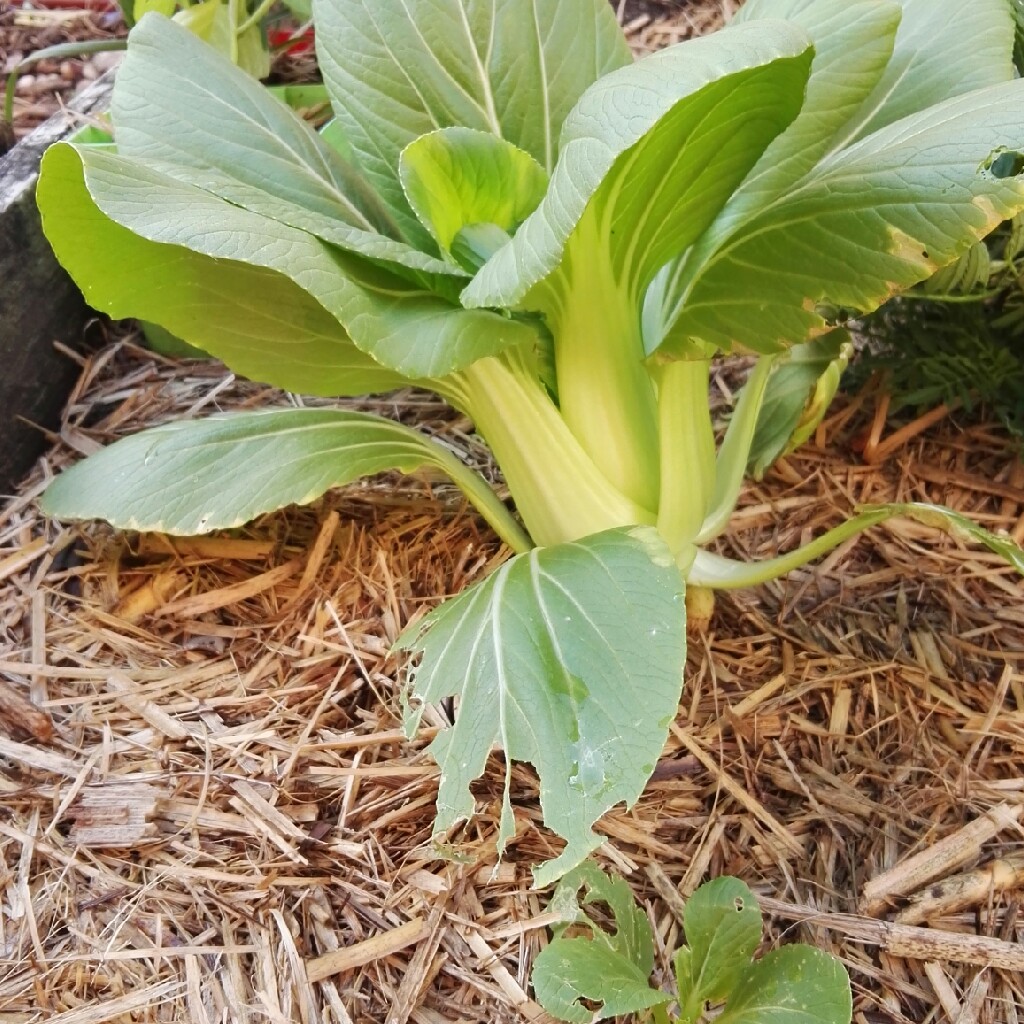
(569,657)
(792,985)
(611,966)
(608,967)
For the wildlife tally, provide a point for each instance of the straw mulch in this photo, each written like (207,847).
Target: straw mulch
(210,813)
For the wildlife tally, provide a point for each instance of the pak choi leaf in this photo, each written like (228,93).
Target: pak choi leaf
(242,465)
(398,70)
(608,967)
(569,657)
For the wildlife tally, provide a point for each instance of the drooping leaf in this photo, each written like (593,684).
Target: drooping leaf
(457,178)
(797,397)
(869,220)
(569,657)
(608,967)
(178,104)
(193,477)
(259,322)
(791,985)
(409,330)
(514,68)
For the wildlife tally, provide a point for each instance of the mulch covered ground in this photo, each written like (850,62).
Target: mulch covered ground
(209,812)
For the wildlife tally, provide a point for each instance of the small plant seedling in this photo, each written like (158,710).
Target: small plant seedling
(610,968)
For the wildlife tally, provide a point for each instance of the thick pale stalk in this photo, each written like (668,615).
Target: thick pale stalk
(605,393)
(687,451)
(559,491)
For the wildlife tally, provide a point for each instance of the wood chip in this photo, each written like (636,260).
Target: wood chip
(377,947)
(115,815)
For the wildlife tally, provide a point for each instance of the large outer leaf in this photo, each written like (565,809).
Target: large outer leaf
(944,48)
(408,329)
(259,322)
(654,150)
(869,221)
(853,46)
(193,477)
(853,42)
(180,104)
(397,70)
(569,657)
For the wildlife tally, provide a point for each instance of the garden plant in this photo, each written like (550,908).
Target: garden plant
(511,212)
(610,965)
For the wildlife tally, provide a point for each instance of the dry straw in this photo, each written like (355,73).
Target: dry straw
(210,813)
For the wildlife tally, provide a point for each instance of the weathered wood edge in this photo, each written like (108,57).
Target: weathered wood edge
(39,304)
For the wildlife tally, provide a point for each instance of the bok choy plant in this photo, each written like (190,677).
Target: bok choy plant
(509,211)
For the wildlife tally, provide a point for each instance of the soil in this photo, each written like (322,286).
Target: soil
(43,88)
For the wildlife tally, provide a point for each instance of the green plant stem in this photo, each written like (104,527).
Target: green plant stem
(734,454)
(232,21)
(255,18)
(558,490)
(486,502)
(719,573)
(58,52)
(687,450)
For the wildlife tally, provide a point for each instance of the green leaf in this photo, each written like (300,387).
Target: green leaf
(212,22)
(180,105)
(853,42)
(242,465)
(569,657)
(456,178)
(791,985)
(723,929)
(608,967)
(650,155)
(510,67)
(143,7)
(960,526)
(869,221)
(944,48)
(406,328)
(797,397)
(259,322)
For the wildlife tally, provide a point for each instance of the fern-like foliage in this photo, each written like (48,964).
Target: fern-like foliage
(959,336)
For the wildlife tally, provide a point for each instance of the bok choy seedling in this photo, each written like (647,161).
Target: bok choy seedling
(510,211)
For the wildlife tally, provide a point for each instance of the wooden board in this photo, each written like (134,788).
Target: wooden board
(39,304)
